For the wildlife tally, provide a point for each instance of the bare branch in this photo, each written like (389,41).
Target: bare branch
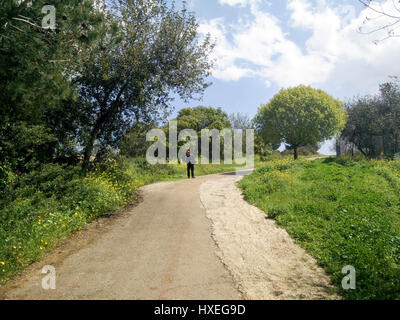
(379,29)
(30,33)
(26,21)
(55,61)
(388,27)
(368,5)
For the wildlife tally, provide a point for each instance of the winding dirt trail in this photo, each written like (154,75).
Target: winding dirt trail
(192,239)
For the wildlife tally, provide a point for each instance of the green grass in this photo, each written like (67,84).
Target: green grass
(39,209)
(343,212)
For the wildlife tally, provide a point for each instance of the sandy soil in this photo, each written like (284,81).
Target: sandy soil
(263,260)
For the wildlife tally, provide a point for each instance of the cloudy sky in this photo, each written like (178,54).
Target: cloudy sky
(262,46)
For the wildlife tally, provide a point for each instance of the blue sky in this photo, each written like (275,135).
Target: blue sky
(263,46)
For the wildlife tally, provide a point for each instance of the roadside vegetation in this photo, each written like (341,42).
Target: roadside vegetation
(41,208)
(343,211)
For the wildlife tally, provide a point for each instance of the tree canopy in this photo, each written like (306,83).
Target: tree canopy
(35,71)
(153,51)
(74,91)
(374,122)
(299,117)
(201,117)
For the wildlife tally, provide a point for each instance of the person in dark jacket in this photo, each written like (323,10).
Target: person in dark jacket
(190,164)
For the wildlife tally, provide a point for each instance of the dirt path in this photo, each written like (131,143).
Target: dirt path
(164,249)
(262,258)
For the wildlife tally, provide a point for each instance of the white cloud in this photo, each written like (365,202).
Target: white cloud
(239,3)
(333,55)
(251,46)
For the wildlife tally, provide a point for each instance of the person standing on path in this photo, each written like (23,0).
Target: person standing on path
(190,164)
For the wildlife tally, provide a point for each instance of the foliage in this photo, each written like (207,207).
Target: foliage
(243,122)
(199,118)
(134,143)
(240,121)
(374,122)
(101,71)
(35,67)
(343,211)
(151,51)
(299,117)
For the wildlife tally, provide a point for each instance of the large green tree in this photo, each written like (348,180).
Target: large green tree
(300,116)
(374,122)
(151,52)
(36,65)
(199,118)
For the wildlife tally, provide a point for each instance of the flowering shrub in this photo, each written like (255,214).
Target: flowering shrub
(47,205)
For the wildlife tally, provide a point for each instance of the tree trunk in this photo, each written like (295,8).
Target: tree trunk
(102,118)
(89,149)
(296,156)
(338,151)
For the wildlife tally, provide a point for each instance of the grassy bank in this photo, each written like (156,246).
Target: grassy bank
(343,212)
(39,209)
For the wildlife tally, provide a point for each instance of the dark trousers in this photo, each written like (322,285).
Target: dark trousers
(190,168)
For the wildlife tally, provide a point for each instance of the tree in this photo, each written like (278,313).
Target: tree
(35,68)
(199,118)
(303,151)
(300,116)
(36,122)
(240,121)
(374,122)
(147,52)
(243,122)
(134,143)
(343,147)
